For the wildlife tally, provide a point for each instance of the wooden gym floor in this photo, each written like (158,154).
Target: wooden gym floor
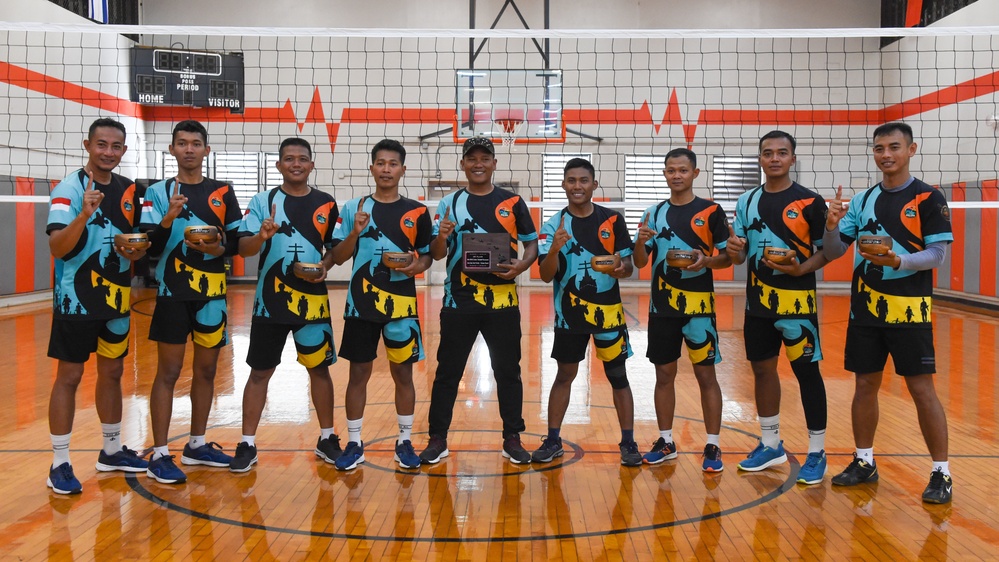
(476,506)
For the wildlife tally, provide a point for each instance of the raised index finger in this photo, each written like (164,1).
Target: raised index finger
(839,193)
(176,188)
(561,223)
(360,204)
(90,184)
(447,213)
(731,231)
(273,211)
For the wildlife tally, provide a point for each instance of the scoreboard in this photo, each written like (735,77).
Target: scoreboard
(195,78)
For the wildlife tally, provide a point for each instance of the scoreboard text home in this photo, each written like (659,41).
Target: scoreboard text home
(194,78)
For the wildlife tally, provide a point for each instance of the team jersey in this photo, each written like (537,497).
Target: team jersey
(305,227)
(92,281)
(697,225)
(498,211)
(376,292)
(793,218)
(187,274)
(914,217)
(587,301)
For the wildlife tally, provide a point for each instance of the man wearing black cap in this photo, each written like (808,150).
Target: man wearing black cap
(479,301)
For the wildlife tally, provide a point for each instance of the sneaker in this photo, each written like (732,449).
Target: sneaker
(661,451)
(209,454)
(549,450)
(125,460)
(763,457)
(712,459)
(513,450)
(164,471)
(352,456)
(940,489)
(63,481)
(629,454)
(405,455)
(814,469)
(244,459)
(329,449)
(435,451)
(858,472)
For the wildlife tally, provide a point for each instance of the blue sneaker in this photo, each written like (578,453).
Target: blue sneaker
(125,460)
(763,457)
(712,459)
(63,481)
(814,468)
(352,456)
(164,471)
(404,455)
(209,454)
(661,451)
(549,450)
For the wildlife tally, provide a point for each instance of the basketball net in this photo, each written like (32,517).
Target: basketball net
(510,129)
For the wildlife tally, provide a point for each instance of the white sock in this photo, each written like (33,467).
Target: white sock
(713,439)
(196,441)
(160,452)
(249,440)
(943,466)
(354,430)
(405,427)
(770,431)
(866,455)
(326,432)
(112,437)
(60,449)
(666,434)
(816,441)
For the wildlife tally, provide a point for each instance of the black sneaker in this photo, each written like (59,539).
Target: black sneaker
(435,451)
(940,489)
(549,450)
(629,454)
(329,449)
(244,459)
(858,472)
(513,450)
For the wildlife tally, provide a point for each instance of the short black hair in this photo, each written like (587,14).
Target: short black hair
(391,146)
(294,141)
(893,127)
(580,163)
(190,126)
(776,134)
(679,153)
(105,122)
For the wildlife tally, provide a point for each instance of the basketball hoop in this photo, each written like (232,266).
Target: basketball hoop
(510,129)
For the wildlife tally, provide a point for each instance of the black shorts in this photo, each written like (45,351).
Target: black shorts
(313,342)
(403,342)
(204,321)
(74,340)
(868,347)
(799,336)
(667,334)
(613,348)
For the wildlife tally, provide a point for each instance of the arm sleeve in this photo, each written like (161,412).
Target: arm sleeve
(65,203)
(833,244)
(548,235)
(932,257)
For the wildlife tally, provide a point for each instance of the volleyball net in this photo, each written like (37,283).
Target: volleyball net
(620,98)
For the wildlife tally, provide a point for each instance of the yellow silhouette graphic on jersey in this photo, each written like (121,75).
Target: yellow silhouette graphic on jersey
(209,336)
(390,304)
(687,302)
(798,350)
(116,296)
(203,282)
(699,354)
(600,315)
(492,296)
(303,305)
(608,351)
(782,301)
(895,309)
(400,352)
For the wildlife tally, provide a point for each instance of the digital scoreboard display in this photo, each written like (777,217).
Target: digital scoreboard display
(194,78)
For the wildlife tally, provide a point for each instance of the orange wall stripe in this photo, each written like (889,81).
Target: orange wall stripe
(24,261)
(987,244)
(957,248)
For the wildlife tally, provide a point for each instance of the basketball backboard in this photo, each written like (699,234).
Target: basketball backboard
(521,106)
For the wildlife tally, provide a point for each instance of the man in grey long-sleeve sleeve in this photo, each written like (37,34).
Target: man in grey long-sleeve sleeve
(891,300)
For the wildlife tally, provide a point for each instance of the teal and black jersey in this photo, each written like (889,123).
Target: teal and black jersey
(305,228)
(499,211)
(913,217)
(186,274)
(92,281)
(376,292)
(697,225)
(587,301)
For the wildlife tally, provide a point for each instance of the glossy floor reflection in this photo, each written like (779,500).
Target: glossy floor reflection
(474,505)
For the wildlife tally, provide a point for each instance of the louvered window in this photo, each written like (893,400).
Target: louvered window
(552,173)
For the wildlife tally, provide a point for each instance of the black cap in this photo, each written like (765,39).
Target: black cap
(484,143)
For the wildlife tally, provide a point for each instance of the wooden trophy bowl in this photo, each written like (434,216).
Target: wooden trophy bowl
(874,245)
(680,258)
(132,241)
(201,234)
(395,260)
(605,264)
(780,256)
(308,271)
